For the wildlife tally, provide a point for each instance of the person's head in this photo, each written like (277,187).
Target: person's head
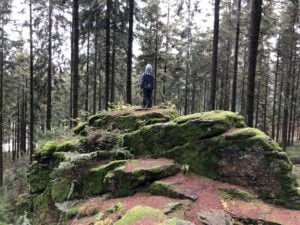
(149,68)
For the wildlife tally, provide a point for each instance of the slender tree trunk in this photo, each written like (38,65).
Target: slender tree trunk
(113,58)
(87,82)
(279,108)
(75,58)
(167,51)
(256,14)
(156,56)
(236,58)
(266,104)
(275,97)
(215,57)
(72,72)
(257,104)
(107,62)
(129,54)
(95,67)
(188,70)
(31,129)
(1,96)
(49,80)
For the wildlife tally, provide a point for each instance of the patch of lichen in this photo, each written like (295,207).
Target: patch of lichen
(236,194)
(93,182)
(141,212)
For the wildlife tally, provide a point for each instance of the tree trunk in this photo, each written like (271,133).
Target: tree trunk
(129,54)
(1,96)
(257,104)
(31,129)
(275,96)
(236,58)
(279,108)
(107,62)
(156,56)
(215,57)
(75,58)
(49,80)
(95,67)
(188,70)
(87,82)
(256,13)
(113,58)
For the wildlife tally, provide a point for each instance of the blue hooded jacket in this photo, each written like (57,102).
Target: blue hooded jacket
(147,81)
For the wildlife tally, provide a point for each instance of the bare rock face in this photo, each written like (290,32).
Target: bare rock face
(120,153)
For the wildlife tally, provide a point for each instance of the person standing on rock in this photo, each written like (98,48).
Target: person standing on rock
(147,84)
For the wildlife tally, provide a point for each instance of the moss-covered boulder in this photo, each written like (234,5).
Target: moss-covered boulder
(118,153)
(129,119)
(122,181)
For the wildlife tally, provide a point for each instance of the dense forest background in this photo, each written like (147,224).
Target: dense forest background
(80,57)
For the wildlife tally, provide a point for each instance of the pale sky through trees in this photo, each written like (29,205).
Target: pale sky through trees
(203,21)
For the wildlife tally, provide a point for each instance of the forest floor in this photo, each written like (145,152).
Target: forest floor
(210,199)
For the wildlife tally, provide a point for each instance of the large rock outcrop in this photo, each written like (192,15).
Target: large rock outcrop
(117,154)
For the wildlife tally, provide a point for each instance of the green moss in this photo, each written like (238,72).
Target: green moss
(166,189)
(201,157)
(47,149)
(38,177)
(72,213)
(24,204)
(176,221)
(226,117)
(140,212)
(67,146)
(243,133)
(80,127)
(43,208)
(123,183)
(93,182)
(61,189)
(116,208)
(236,194)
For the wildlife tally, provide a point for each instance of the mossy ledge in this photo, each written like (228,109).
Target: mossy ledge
(216,145)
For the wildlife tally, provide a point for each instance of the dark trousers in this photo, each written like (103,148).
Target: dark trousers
(147,98)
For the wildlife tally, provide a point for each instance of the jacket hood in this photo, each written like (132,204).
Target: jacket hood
(149,69)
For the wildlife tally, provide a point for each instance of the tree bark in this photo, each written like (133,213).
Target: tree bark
(236,58)
(75,58)
(129,54)
(107,62)
(95,67)
(87,82)
(275,96)
(31,129)
(254,31)
(213,88)
(49,78)
(1,96)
